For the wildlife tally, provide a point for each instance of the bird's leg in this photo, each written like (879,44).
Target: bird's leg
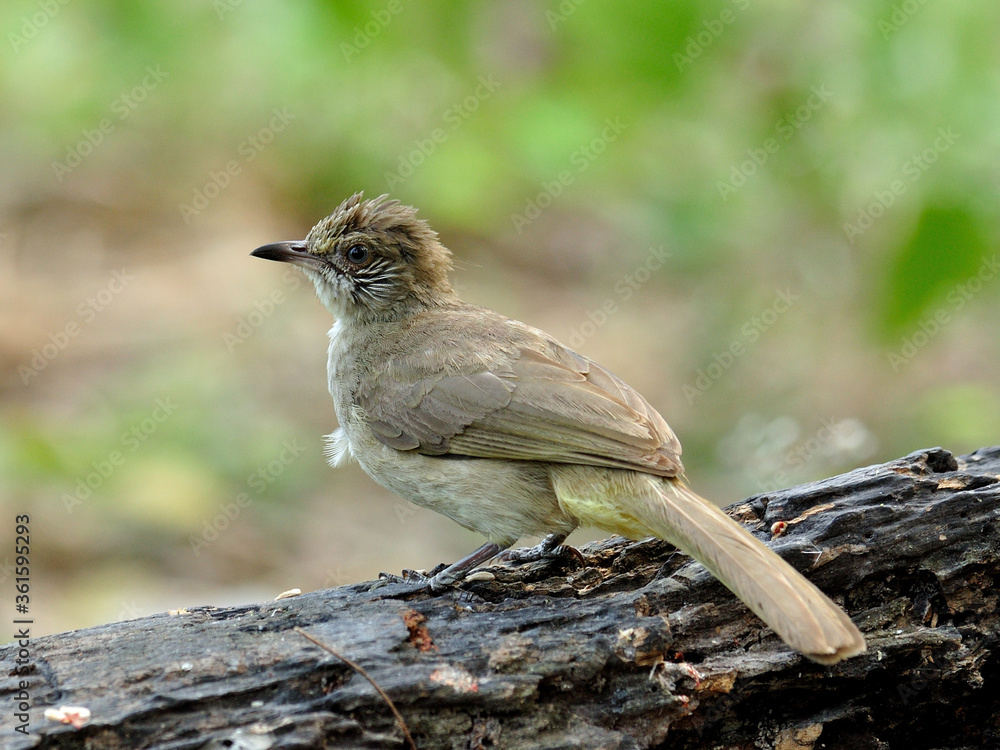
(445,578)
(461,568)
(440,579)
(550,548)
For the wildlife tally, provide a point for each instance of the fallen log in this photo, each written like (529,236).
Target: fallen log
(638,648)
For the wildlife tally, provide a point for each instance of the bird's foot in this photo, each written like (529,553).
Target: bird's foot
(550,548)
(443,577)
(414,580)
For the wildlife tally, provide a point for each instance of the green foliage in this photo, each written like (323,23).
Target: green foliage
(946,249)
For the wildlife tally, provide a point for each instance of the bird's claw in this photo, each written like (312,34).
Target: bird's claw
(543,551)
(418,581)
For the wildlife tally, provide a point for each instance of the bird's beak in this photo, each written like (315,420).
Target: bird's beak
(295,252)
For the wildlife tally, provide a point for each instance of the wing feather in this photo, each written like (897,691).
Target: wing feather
(547,403)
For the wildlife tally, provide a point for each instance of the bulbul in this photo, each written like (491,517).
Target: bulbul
(503,429)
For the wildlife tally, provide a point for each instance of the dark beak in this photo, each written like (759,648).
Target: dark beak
(295,252)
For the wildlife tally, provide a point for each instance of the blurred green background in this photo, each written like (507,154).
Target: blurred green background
(778,221)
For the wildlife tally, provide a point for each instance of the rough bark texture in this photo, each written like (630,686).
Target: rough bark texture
(639,648)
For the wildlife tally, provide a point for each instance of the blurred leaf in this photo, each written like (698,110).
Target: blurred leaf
(946,249)
(26,454)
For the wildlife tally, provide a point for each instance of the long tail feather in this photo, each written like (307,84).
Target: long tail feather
(802,615)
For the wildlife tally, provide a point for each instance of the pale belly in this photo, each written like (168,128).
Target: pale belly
(503,500)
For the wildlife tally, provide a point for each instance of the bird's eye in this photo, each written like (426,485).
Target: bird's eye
(359,254)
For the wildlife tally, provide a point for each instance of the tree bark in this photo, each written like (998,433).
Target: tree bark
(638,648)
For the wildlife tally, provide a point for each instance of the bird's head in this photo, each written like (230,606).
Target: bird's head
(371,260)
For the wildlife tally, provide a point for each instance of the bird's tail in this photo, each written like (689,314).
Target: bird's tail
(802,615)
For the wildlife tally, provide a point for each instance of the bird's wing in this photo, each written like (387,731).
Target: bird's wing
(546,403)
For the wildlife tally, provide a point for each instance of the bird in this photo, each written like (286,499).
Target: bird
(508,432)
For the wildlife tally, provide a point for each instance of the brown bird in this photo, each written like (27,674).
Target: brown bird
(503,429)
